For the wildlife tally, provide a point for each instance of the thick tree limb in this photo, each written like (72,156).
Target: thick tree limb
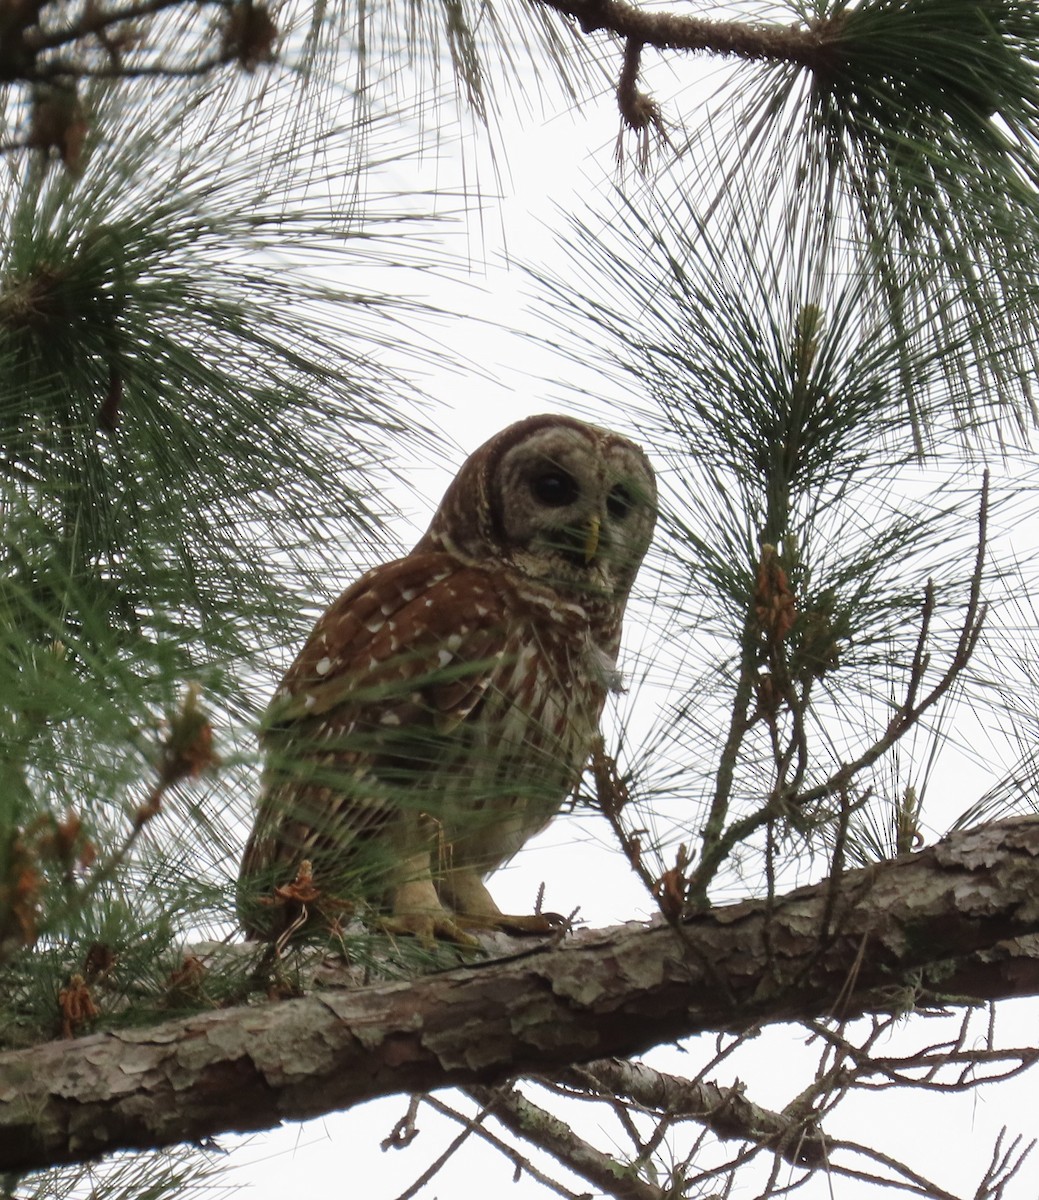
(896,930)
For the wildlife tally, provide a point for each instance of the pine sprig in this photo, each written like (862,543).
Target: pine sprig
(907,140)
(801,533)
(188,418)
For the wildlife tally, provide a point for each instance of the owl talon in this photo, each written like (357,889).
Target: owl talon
(534,925)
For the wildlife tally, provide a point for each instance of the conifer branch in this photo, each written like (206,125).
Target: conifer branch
(907,931)
(675,31)
(534,1124)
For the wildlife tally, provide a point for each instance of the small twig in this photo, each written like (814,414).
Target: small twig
(186,752)
(106,870)
(714,843)
(673,31)
(520,1163)
(827,929)
(911,710)
(62,69)
(910,1181)
(613,796)
(622,1112)
(1001,1170)
(770,890)
(901,1072)
(656,1138)
(469,1127)
(95,19)
(718,840)
(727,1112)
(921,659)
(639,112)
(534,1124)
(405,1131)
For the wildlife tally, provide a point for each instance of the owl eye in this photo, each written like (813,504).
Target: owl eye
(554,487)
(619,502)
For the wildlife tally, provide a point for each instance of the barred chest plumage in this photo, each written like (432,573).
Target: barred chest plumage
(525,747)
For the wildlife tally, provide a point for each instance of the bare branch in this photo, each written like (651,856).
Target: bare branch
(522,1165)
(899,1175)
(1002,1168)
(922,1069)
(64,69)
(95,20)
(405,1131)
(534,1124)
(469,1126)
(726,1111)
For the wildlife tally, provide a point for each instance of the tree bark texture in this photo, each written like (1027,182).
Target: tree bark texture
(952,922)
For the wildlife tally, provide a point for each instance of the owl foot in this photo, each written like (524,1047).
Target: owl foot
(464,893)
(428,927)
(417,911)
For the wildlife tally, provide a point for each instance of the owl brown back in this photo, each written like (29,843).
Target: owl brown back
(445,705)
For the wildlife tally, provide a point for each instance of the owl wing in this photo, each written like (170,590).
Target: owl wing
(403,657)
(421,624)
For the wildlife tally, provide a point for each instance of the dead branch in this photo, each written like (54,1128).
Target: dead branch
(923,1069)
(469,1126)
(534,1124)
(726,1111)
(1003,1167)
(521,1165)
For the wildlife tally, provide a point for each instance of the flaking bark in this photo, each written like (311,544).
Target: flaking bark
(954,918)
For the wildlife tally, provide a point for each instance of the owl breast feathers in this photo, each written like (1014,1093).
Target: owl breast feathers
(446,704)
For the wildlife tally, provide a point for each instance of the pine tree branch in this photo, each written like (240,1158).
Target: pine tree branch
(521,1165)
(679,31)
(727,1111)
(896,933)
(534,1124)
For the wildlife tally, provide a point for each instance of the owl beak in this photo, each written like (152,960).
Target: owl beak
(591,541)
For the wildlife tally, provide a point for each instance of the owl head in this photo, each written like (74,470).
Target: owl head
(562,502)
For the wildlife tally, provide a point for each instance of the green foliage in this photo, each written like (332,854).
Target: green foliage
(908,140)
(186,1172)
(189,417)
(787,411)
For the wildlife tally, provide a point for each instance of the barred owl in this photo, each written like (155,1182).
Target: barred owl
(446,704)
